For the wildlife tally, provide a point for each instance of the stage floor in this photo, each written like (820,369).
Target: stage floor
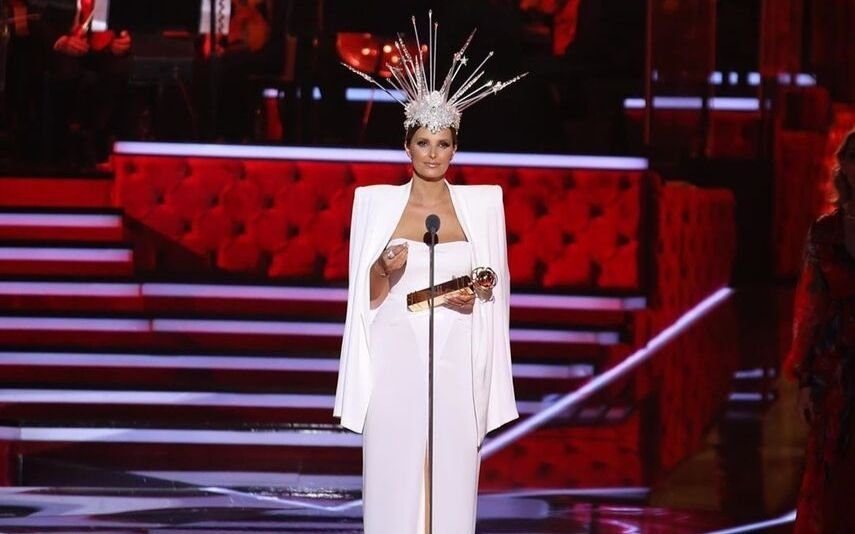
(212,510)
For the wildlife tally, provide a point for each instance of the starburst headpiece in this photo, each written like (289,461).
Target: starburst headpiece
(435,108)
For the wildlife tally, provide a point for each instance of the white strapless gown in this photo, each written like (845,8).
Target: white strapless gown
(395,433)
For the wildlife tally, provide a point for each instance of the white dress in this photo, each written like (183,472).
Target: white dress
(395,432)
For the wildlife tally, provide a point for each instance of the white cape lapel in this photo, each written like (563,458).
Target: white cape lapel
(480,213)
(376,212)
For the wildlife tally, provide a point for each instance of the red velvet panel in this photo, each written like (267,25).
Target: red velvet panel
(567,228)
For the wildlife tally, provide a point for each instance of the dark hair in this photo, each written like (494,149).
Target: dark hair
(842,189)
(411,131)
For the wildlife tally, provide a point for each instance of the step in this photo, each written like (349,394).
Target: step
(55,474)
(269,336)
(308,449)
(75,261)
(69,297)
(61,225)
(174,409)
(288,302)
(228,373)
(754,398)
(526,309)
(76,192)
(287,483)
(756,380)
(211,410)
(602,312)
(164,409)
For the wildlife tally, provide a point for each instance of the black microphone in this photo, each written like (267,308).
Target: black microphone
(432,225)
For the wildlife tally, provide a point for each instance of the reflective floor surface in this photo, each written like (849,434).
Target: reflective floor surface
(200,510)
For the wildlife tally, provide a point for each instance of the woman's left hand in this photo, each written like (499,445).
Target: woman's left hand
(461,303)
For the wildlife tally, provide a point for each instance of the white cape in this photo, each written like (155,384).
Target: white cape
(376,212)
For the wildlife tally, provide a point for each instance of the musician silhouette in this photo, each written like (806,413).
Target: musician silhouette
(85,80)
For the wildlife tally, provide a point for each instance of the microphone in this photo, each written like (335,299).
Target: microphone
(432,225)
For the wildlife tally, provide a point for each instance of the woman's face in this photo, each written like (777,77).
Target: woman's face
(431,153)
(847,163)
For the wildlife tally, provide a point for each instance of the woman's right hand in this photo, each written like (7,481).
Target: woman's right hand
(393,258)
(805,405)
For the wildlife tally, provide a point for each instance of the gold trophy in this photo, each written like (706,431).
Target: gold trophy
(483,278)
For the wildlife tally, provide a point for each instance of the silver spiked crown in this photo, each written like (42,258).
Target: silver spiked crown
(425,104)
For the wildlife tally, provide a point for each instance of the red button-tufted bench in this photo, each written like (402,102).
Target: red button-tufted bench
(695,247)
(288,219)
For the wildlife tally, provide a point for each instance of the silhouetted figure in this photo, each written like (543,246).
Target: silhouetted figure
(85,77)
(822,359)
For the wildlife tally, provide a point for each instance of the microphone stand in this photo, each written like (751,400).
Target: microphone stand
(432,224)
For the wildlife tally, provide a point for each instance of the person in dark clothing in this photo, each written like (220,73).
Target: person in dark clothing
(84,80)
(605,65)
(249,52)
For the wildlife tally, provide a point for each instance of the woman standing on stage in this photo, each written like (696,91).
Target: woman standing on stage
(383,377)
(823,359)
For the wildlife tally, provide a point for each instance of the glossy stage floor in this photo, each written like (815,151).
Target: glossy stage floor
(213,510)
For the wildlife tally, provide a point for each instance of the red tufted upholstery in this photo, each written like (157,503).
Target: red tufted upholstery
(595,456)
(567,228)
(691,378)
(694,250)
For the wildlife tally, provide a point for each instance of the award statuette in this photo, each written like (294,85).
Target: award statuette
(482,277)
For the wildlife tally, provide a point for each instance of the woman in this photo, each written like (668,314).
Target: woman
(383,376)
(823,359)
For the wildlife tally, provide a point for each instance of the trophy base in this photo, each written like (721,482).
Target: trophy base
(419,300)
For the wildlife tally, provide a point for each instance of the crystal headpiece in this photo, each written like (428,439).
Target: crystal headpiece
(435,108)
